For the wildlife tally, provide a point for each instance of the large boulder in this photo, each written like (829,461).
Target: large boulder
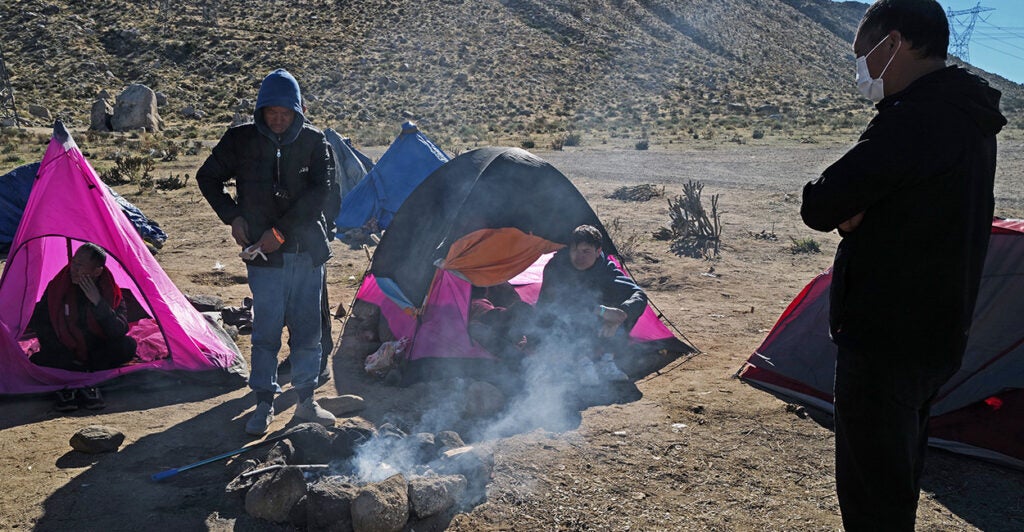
(39,111)
(135,108)
(101,115)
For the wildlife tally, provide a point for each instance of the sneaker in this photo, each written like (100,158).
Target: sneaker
(66,401)
(587,372)
(91,398)
(260,420)
(308,410)
(608,370)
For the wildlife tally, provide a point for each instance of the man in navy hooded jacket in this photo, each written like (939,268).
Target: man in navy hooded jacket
(913,202)
(281,167)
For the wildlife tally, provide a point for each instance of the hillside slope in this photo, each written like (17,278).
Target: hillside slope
(469,69)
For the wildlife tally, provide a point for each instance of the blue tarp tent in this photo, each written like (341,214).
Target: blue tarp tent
(15,187)
(406,163)
(350,165)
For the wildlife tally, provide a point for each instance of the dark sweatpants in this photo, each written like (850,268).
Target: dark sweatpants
(881,425)
(102,355)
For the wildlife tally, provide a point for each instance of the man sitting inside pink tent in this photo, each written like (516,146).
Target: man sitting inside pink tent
(82,323)
(588,304)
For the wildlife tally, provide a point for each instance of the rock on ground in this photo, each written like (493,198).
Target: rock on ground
(273,495)
(432,495)
(97,439)
(342,405)
(329,505)
(382,507)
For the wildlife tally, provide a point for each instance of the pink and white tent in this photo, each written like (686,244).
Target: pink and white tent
(67,207)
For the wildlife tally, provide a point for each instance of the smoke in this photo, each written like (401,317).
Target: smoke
(539,385)
(384,456)
(547,399)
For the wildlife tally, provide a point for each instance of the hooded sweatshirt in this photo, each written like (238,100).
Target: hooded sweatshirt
(282,180)
(905,281)
(279,89)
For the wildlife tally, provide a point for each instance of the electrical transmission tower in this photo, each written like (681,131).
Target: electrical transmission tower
(961,25)
(7,110)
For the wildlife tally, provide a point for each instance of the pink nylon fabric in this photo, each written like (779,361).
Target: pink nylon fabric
(442,329)
(68,206)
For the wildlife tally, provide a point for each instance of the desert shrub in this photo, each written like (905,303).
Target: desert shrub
(758,134)
(557,144)
(128,169)
(146,183)
(694,231)
(642,145)
(804,245)
(626,241)
(572,139)
(528,144)
(645,192)
(171,182)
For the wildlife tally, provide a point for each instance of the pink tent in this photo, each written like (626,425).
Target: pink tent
(488,216)
(441,331)
(69,206)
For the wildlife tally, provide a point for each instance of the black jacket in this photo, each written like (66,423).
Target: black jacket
(288,195)
(906,280)
(568,294)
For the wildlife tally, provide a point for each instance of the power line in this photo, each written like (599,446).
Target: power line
(1005,43)
(1015,31)
(1001,51)
(960,37)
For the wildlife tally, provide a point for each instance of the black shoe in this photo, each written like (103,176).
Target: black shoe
(92,399)
(285,367)
(66,401)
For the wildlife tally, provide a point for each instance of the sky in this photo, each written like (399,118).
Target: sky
(997,41)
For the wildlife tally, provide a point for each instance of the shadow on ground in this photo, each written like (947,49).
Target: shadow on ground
(986,495)
(137,391)
(117,492)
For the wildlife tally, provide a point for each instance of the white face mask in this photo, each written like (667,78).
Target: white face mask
(872,88)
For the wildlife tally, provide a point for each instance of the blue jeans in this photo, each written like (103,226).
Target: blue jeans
(286,297)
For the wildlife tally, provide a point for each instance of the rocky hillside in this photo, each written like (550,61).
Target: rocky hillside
(473,70)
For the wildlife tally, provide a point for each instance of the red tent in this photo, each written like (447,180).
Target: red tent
(979,412)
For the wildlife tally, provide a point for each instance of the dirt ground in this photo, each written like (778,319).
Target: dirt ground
(693,448)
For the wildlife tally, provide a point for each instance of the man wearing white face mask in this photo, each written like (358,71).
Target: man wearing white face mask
(913,202)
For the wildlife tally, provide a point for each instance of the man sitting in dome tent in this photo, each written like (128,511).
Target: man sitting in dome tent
(588,305)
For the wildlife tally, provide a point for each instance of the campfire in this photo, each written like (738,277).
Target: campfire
(360,477)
